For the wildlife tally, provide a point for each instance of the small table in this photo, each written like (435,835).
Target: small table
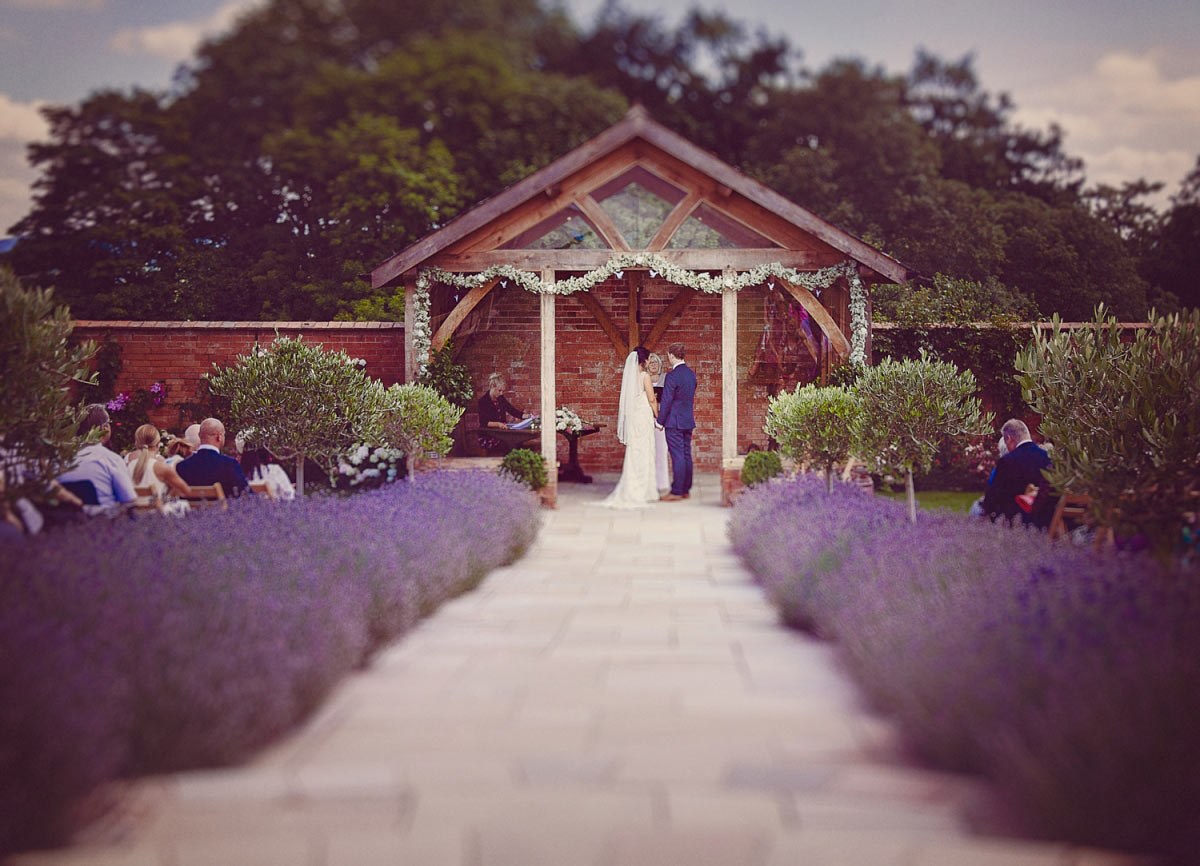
(573,471)
(510,438)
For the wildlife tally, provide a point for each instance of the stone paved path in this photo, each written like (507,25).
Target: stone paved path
(623,696)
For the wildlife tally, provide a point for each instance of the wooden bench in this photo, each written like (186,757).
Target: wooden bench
(1074,507)
(207,496)
(1070,507)
(262,488)
(148,498)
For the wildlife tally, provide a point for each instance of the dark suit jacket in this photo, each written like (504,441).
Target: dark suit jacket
(1014,472)
(209,467)
(679,393)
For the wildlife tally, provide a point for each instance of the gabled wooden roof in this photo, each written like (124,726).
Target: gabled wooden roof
(468,243)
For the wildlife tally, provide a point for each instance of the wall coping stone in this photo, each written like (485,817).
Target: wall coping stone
(243,326)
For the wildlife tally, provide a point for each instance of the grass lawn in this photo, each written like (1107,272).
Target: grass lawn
(955,500)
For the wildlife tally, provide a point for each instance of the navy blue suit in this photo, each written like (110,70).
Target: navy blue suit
(676,417)
(209,467)
(1014,472)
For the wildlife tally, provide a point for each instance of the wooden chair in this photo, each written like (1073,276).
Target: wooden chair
(1070,507)
(262,488)
(207,496)
(1074,508)
(148,498)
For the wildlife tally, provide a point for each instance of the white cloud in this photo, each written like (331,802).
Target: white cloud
(20,121)
(16,183)
(176,40)
(56,4)
(1126,118)
(20,124)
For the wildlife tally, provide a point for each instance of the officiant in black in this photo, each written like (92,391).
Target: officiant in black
(493,409)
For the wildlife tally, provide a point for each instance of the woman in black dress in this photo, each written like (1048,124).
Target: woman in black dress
(493,409)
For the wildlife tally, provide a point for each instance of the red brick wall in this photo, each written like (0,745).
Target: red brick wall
(178,354)
(506,337)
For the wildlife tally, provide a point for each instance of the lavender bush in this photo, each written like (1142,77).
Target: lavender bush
(1071,678)
(157,645)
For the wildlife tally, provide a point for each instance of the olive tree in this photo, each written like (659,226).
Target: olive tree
(418,420)
(910,409)
(302,401)
(38,363)
(1124,418)
(814,425)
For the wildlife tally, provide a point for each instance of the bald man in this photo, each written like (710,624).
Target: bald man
(209,466)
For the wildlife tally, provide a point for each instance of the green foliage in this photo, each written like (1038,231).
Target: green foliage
(38,363)
(313,140)
(986,351)
(948,300)
(377,308)
(761,466)
(1172,260)
(451,380)
(814,425)
(910,409)
(419,420)
(528,467)
(302,401)
(108,364)
(844,374)
(1124,418)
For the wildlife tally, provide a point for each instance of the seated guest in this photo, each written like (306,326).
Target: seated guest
(178,449)
(209,466)
(149,468)
(192,436)
(493,409)
(107,472)
(259,464)
(1015,471)
(21,512)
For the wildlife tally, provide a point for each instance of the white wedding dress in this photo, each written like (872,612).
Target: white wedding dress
(637,486)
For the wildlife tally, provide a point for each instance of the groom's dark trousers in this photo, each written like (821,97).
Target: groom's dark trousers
(676,417)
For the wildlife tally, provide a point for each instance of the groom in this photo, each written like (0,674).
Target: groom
(675,416)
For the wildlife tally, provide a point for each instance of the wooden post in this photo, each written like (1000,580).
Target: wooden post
(632,284)
(549,399)
(410,356)
(729,394)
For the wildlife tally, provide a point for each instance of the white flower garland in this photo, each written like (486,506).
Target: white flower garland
(858,321)
(814,281)
(422,333)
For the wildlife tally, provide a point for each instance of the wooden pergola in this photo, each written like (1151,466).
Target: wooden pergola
(587,210)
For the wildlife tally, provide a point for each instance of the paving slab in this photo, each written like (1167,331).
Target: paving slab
(623,695)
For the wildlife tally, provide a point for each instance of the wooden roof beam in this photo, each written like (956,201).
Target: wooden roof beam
(606,324)
(674,220)
(821,315)
(603,223)
(682,298)
(460,312)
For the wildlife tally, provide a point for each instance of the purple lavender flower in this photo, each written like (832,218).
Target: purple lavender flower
(1069,677)
(187,643)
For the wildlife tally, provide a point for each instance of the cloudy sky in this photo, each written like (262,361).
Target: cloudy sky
(1122,78)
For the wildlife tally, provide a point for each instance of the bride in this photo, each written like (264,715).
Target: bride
(635,428)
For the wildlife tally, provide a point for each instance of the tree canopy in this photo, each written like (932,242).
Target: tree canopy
(315,139)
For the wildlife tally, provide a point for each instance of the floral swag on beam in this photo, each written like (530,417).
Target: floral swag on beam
(814,281)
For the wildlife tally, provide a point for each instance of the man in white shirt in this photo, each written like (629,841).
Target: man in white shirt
(106,470)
